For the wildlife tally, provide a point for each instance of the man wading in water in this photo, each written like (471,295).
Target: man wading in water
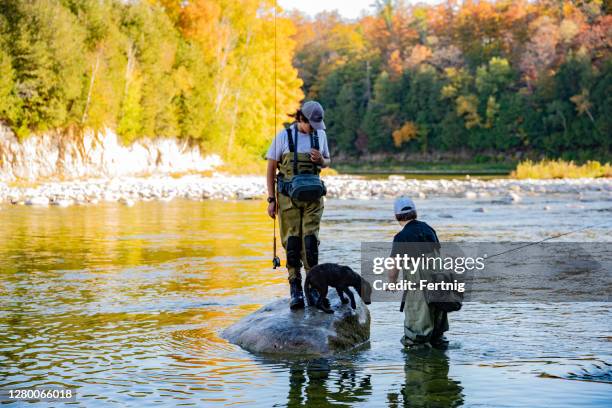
(299,213)
(423,323)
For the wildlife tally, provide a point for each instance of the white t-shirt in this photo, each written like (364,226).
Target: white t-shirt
(280,145)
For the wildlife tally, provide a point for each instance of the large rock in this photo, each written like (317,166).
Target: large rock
(276,329)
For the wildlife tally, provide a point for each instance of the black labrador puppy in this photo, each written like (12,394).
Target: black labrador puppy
(341,278)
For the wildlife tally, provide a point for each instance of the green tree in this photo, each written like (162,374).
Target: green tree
(46,45)
(9,107)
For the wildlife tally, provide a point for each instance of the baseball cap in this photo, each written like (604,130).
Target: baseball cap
(314,113)
(403,205)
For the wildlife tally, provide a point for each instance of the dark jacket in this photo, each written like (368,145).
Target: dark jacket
(415,232)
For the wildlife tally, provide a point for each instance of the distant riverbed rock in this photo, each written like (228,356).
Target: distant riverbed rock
(225,187)
(275,329)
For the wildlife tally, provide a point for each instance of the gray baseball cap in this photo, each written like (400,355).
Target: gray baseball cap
(403,205)
(314,113)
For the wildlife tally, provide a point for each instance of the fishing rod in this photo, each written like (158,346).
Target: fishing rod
(403,303)
(548,239)
(276,263)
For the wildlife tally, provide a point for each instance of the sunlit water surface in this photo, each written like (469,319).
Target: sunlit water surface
(126,304)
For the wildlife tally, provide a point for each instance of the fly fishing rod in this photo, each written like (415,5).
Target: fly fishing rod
(403,303)
(547,239)
(276,263)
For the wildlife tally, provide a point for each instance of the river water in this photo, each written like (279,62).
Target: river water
(126,304)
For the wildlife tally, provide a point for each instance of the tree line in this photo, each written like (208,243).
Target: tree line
(502,77)
(509,78)
(199,70)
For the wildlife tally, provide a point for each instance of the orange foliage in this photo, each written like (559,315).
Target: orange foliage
(535,37)
(419,54)
(404,134)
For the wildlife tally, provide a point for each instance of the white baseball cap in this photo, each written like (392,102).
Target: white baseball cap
(403,205)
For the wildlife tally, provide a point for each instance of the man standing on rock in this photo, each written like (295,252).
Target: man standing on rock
(305,139)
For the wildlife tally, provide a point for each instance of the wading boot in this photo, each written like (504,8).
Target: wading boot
(440,343)
(297,296)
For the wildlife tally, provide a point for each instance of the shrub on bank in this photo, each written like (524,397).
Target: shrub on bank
(547,169)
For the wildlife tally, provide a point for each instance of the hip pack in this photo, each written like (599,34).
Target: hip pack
(305,187)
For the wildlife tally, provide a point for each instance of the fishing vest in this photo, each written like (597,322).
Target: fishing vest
(298,177)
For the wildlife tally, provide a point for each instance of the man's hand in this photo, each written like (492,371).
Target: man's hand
(316,157)
(272,210)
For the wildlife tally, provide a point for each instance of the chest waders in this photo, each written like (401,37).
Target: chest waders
(299,220)
(422,323)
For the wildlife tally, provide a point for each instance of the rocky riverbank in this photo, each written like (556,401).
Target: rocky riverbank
(128,190)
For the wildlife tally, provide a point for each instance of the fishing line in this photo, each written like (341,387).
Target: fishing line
(403,302)
(548,239)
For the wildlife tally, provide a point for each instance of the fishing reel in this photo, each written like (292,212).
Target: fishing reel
(276,262)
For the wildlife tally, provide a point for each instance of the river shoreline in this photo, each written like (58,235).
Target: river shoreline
(128,190)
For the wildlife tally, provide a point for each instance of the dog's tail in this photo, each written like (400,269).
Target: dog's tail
(308,292)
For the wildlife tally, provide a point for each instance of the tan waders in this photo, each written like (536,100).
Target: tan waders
(422,323)
(299,226)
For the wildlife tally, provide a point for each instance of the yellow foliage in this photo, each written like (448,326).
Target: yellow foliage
(556,169)
(449,91)
(404,134)
(582,102)
(499,66)
(492,110)
(467,106)
(568,30)
(451,72)
(328,171)
(247,52)
(458,78)
(243,167)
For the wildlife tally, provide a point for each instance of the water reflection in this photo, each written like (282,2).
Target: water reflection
(427,383)
(333,383)
(317,384)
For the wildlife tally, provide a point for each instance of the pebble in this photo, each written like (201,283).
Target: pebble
(38,201)
(62,202)
(126,201)
(512,197)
